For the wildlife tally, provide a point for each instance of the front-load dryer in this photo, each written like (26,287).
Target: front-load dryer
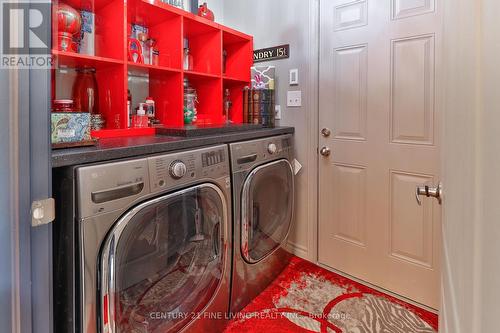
(263,205)
(153,239)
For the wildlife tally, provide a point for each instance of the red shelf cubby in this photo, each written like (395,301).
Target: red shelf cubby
(239,57)
(209,105)
(163,85)
(169,26)
(164,26)
(204,45)
(109,27)
(236,94)
(109,75)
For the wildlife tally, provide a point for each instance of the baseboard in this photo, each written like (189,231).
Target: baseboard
(382,290)
(298,250)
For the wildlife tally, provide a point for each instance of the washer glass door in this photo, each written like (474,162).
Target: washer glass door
(267,208)
(163,262)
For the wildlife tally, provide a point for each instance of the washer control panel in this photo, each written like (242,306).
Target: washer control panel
(184,167)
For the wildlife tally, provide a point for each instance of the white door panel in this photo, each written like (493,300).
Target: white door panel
(379,73)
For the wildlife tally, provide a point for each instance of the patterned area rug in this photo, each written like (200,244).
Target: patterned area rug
(306,298)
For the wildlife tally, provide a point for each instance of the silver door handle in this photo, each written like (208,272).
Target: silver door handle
(429,192)
(325,151)
(326,132)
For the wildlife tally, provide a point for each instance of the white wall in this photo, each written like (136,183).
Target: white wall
(471,277)
(460,110)
(488,201)
(291,22)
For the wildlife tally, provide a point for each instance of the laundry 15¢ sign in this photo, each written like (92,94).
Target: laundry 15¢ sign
(272,53)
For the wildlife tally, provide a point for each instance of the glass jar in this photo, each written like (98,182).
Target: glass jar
(190,101)
(85,92)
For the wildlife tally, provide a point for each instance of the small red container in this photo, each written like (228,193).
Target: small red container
(205,12)
(63,105)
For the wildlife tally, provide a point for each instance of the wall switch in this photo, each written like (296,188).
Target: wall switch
(294,98)
(277,112)
(294,76)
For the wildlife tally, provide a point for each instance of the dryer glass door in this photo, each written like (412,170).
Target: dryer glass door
(267,208)
(163,262)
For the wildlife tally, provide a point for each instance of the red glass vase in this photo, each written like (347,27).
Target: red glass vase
(85,93)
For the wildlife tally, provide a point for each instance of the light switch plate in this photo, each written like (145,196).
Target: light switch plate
(277,112)
(294,98)
(294,76)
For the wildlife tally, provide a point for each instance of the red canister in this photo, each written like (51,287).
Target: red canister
(205,12)
(63,105)
(69,23)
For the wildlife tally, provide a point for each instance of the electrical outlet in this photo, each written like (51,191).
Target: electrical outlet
(277,112)
(294,98)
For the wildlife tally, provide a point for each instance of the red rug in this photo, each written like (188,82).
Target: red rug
(306,298)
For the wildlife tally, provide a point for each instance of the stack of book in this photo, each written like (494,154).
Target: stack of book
(258,106)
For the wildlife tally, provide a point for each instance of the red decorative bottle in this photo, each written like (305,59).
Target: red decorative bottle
(85,93)
(205,12)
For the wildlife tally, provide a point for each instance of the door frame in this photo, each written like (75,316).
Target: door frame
(27,157)
(313,130)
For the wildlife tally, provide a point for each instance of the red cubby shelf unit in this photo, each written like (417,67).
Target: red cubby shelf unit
(169,26)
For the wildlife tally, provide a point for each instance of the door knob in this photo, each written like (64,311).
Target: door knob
(325,151)
(326,132)
(429,191)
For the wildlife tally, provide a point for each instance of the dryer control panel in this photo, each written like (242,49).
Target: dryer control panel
(245,155)
(167,171)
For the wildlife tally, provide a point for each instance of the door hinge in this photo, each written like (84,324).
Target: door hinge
(43,212)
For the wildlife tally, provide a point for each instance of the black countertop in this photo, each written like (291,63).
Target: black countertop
(117,148)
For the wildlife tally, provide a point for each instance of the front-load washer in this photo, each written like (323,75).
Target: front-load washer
(153,240)
(263,204)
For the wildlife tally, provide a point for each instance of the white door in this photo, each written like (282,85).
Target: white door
(379,74)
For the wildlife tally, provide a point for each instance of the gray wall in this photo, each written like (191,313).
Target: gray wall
(291,22)
(15,271)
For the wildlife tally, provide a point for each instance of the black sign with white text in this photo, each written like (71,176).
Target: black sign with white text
(272,53)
